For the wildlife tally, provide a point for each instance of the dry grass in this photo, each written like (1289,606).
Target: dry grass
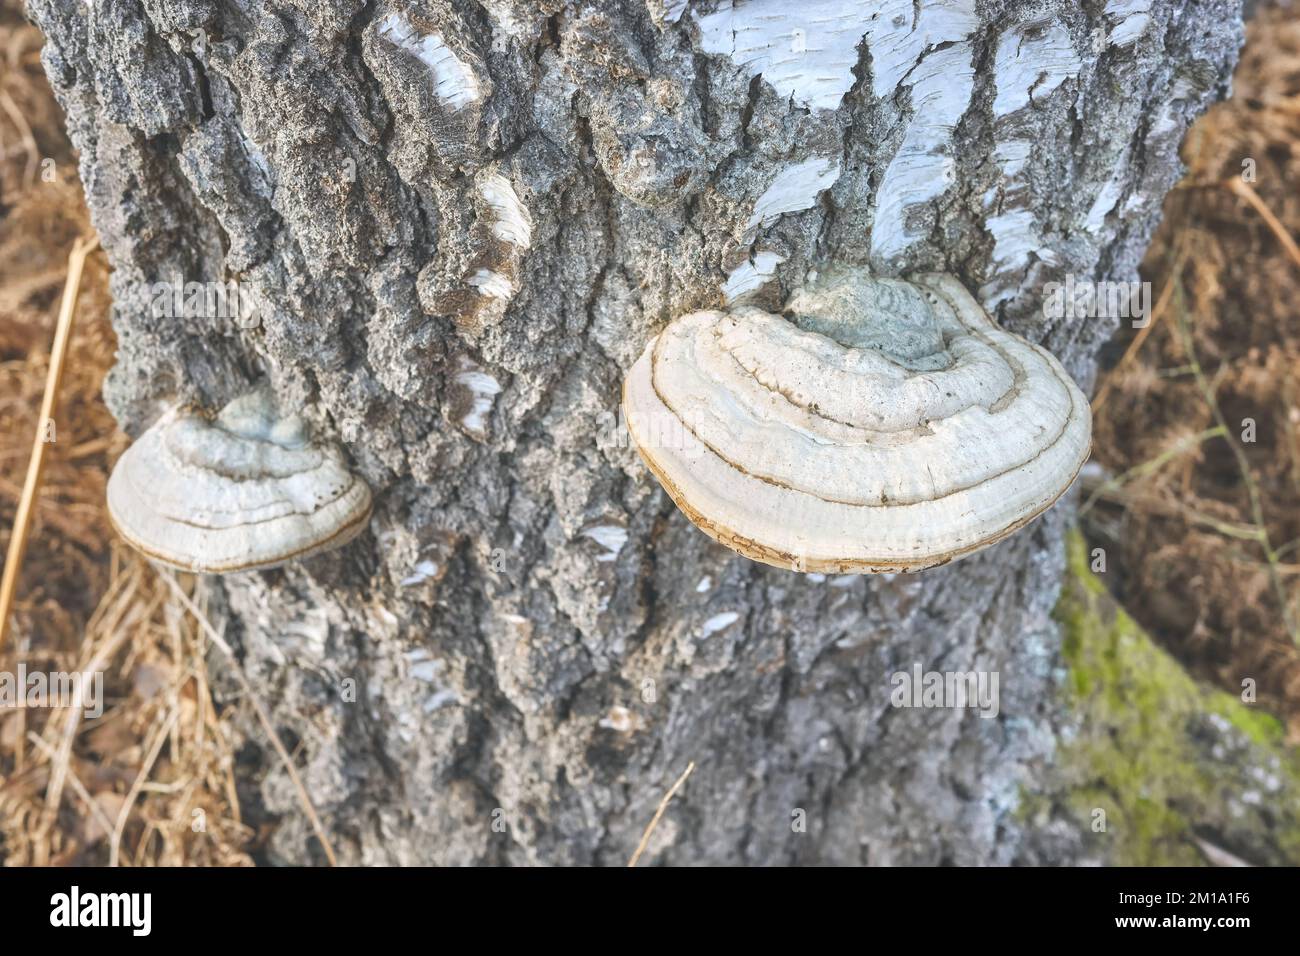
(1207,524)
(150,782)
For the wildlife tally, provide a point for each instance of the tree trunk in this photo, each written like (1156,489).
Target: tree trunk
(463,221)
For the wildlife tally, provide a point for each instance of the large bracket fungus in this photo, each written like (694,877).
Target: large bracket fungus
(248,489)
(882,425)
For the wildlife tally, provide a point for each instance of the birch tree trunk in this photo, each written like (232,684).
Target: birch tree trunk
(463,221)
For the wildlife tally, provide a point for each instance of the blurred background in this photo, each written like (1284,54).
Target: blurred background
(1193,493)
(1194,490)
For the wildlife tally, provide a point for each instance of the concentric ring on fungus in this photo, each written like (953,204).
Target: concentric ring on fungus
(885,426)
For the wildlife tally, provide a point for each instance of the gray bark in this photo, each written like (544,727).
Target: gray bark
(304,149)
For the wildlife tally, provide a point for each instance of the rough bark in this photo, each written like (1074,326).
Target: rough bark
(530,682)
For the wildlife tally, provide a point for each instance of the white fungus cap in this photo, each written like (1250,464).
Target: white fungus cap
(932,434)
(246,490)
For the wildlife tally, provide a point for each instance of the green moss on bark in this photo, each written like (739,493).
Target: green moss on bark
(1166,758)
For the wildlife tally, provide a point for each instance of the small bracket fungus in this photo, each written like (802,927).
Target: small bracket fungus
(248,489)
(884,426)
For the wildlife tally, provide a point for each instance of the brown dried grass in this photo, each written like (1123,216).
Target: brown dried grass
(151,781)
(1209,540)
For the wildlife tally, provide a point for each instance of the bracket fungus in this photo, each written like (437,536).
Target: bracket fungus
(247,489)
(882,425)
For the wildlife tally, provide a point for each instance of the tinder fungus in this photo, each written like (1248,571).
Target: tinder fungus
(248,489)
(880,425)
